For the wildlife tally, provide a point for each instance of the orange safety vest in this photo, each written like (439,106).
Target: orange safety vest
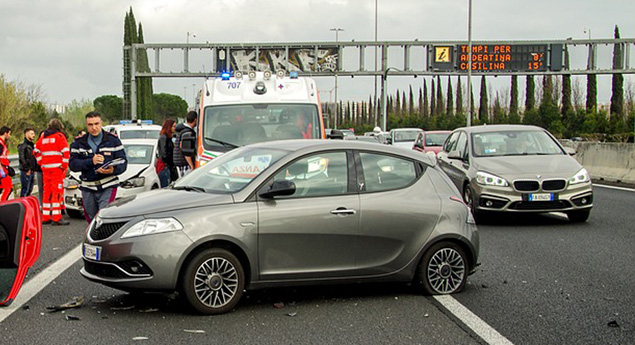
(52,151)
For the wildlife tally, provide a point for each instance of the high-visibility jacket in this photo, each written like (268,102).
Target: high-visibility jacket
(51,151)
(4,159)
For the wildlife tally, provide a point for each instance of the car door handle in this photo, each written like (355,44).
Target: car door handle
(343,210)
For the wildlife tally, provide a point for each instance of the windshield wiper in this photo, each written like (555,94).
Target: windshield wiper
(224,143)
(189,188)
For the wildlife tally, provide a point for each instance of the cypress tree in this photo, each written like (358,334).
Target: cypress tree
(144,94)
(420,103)
(411,102)
(404,105)
(547,90)
(591,93)
(426,105)
(617,97)
(483,111)
(567,106)
(440,105)
(397,106)
(459,98)
(450,105)
(370,117)
(530,97)
(433,102)
(513,102)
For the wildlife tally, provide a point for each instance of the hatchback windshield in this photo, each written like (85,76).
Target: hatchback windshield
(139,134)
(511,143)
(230,172)
(436,139)
(138,154)
(238,125)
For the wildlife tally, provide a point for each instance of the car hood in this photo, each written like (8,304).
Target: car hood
(162,200)
(548,166)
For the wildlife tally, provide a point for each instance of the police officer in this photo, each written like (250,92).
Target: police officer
(51,153)
(89,153)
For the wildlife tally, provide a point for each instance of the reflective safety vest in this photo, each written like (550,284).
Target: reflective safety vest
(51,152)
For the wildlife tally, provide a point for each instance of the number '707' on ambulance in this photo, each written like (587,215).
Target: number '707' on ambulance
(249,108)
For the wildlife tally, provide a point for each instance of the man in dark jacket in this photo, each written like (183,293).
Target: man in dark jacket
(100,157)
(184,163)
(28,165)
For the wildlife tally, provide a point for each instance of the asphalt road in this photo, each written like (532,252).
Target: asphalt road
(542,281)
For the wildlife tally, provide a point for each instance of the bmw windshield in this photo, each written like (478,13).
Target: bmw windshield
(230,172)
(514,143)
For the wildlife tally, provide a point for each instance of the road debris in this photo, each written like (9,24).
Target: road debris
(292,314)
(130,307)
(613,324)
(72,318)
(278,305)
(76,302)
(196,331)
(149,310)
(140,338)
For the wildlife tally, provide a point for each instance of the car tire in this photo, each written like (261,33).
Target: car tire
(75,213)
(213,281)
(578,216)
(468,199)
(443,269)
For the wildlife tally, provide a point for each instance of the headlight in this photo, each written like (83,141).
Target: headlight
(153,226)
(486,179)
(70,183)
(580,177)
(134,182)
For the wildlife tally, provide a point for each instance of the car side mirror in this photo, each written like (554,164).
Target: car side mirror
(336,134)
(188,143)
(278,188)
(419,145)
(570,151)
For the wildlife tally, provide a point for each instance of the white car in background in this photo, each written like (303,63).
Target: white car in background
(404,137)
(140,176)
(134,129)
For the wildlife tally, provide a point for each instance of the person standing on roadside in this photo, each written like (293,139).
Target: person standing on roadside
(100,157)
(51,152)
(185,163)
(165,163)
(28,164)
(6,183)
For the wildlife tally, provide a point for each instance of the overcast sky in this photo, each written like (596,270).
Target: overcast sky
(73,48)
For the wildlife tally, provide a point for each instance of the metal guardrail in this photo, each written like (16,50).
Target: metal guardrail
(14,162)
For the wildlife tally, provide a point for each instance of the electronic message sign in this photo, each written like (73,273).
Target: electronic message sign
(498,58)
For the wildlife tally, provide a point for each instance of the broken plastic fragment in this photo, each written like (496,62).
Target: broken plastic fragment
(140,338)
(76,302)
(72,318)
(278,305)
(122,308)
(292,314)
(197,331)
(613,324)
(149,310)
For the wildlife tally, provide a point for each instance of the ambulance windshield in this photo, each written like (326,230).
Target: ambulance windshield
(230,126)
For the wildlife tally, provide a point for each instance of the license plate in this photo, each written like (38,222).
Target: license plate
(92,252)
(541,197)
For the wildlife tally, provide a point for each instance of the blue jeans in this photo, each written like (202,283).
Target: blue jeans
(27,183)
(164,177)
(94,201)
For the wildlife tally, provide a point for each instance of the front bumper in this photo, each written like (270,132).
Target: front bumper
(149,262)
(73,199)
(509,199)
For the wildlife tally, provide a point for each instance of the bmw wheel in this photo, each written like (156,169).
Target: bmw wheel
(213,282)
(443,269)
(468,198)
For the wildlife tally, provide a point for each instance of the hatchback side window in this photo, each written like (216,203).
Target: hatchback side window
(461,145)
(383,172)
(317,175)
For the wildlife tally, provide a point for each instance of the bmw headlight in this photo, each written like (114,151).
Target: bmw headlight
(486,179)
(580,177)
(134,182)
(153,226)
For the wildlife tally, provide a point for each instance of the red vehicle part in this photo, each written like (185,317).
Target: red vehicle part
(20,243)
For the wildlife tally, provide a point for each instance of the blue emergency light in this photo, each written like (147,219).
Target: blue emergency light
(293,75)
(225,75)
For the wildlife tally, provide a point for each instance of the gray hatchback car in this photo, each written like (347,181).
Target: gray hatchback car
(286,213)
(516,168)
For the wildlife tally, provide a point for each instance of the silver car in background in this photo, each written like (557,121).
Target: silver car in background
(286,213)
(516,168)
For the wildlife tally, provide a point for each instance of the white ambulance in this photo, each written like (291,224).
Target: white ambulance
(259,106)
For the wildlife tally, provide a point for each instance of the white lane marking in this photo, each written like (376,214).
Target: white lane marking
(613,187)
(41,280)
(482,329)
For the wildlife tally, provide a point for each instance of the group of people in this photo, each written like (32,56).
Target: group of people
(172,162)
(98,155)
